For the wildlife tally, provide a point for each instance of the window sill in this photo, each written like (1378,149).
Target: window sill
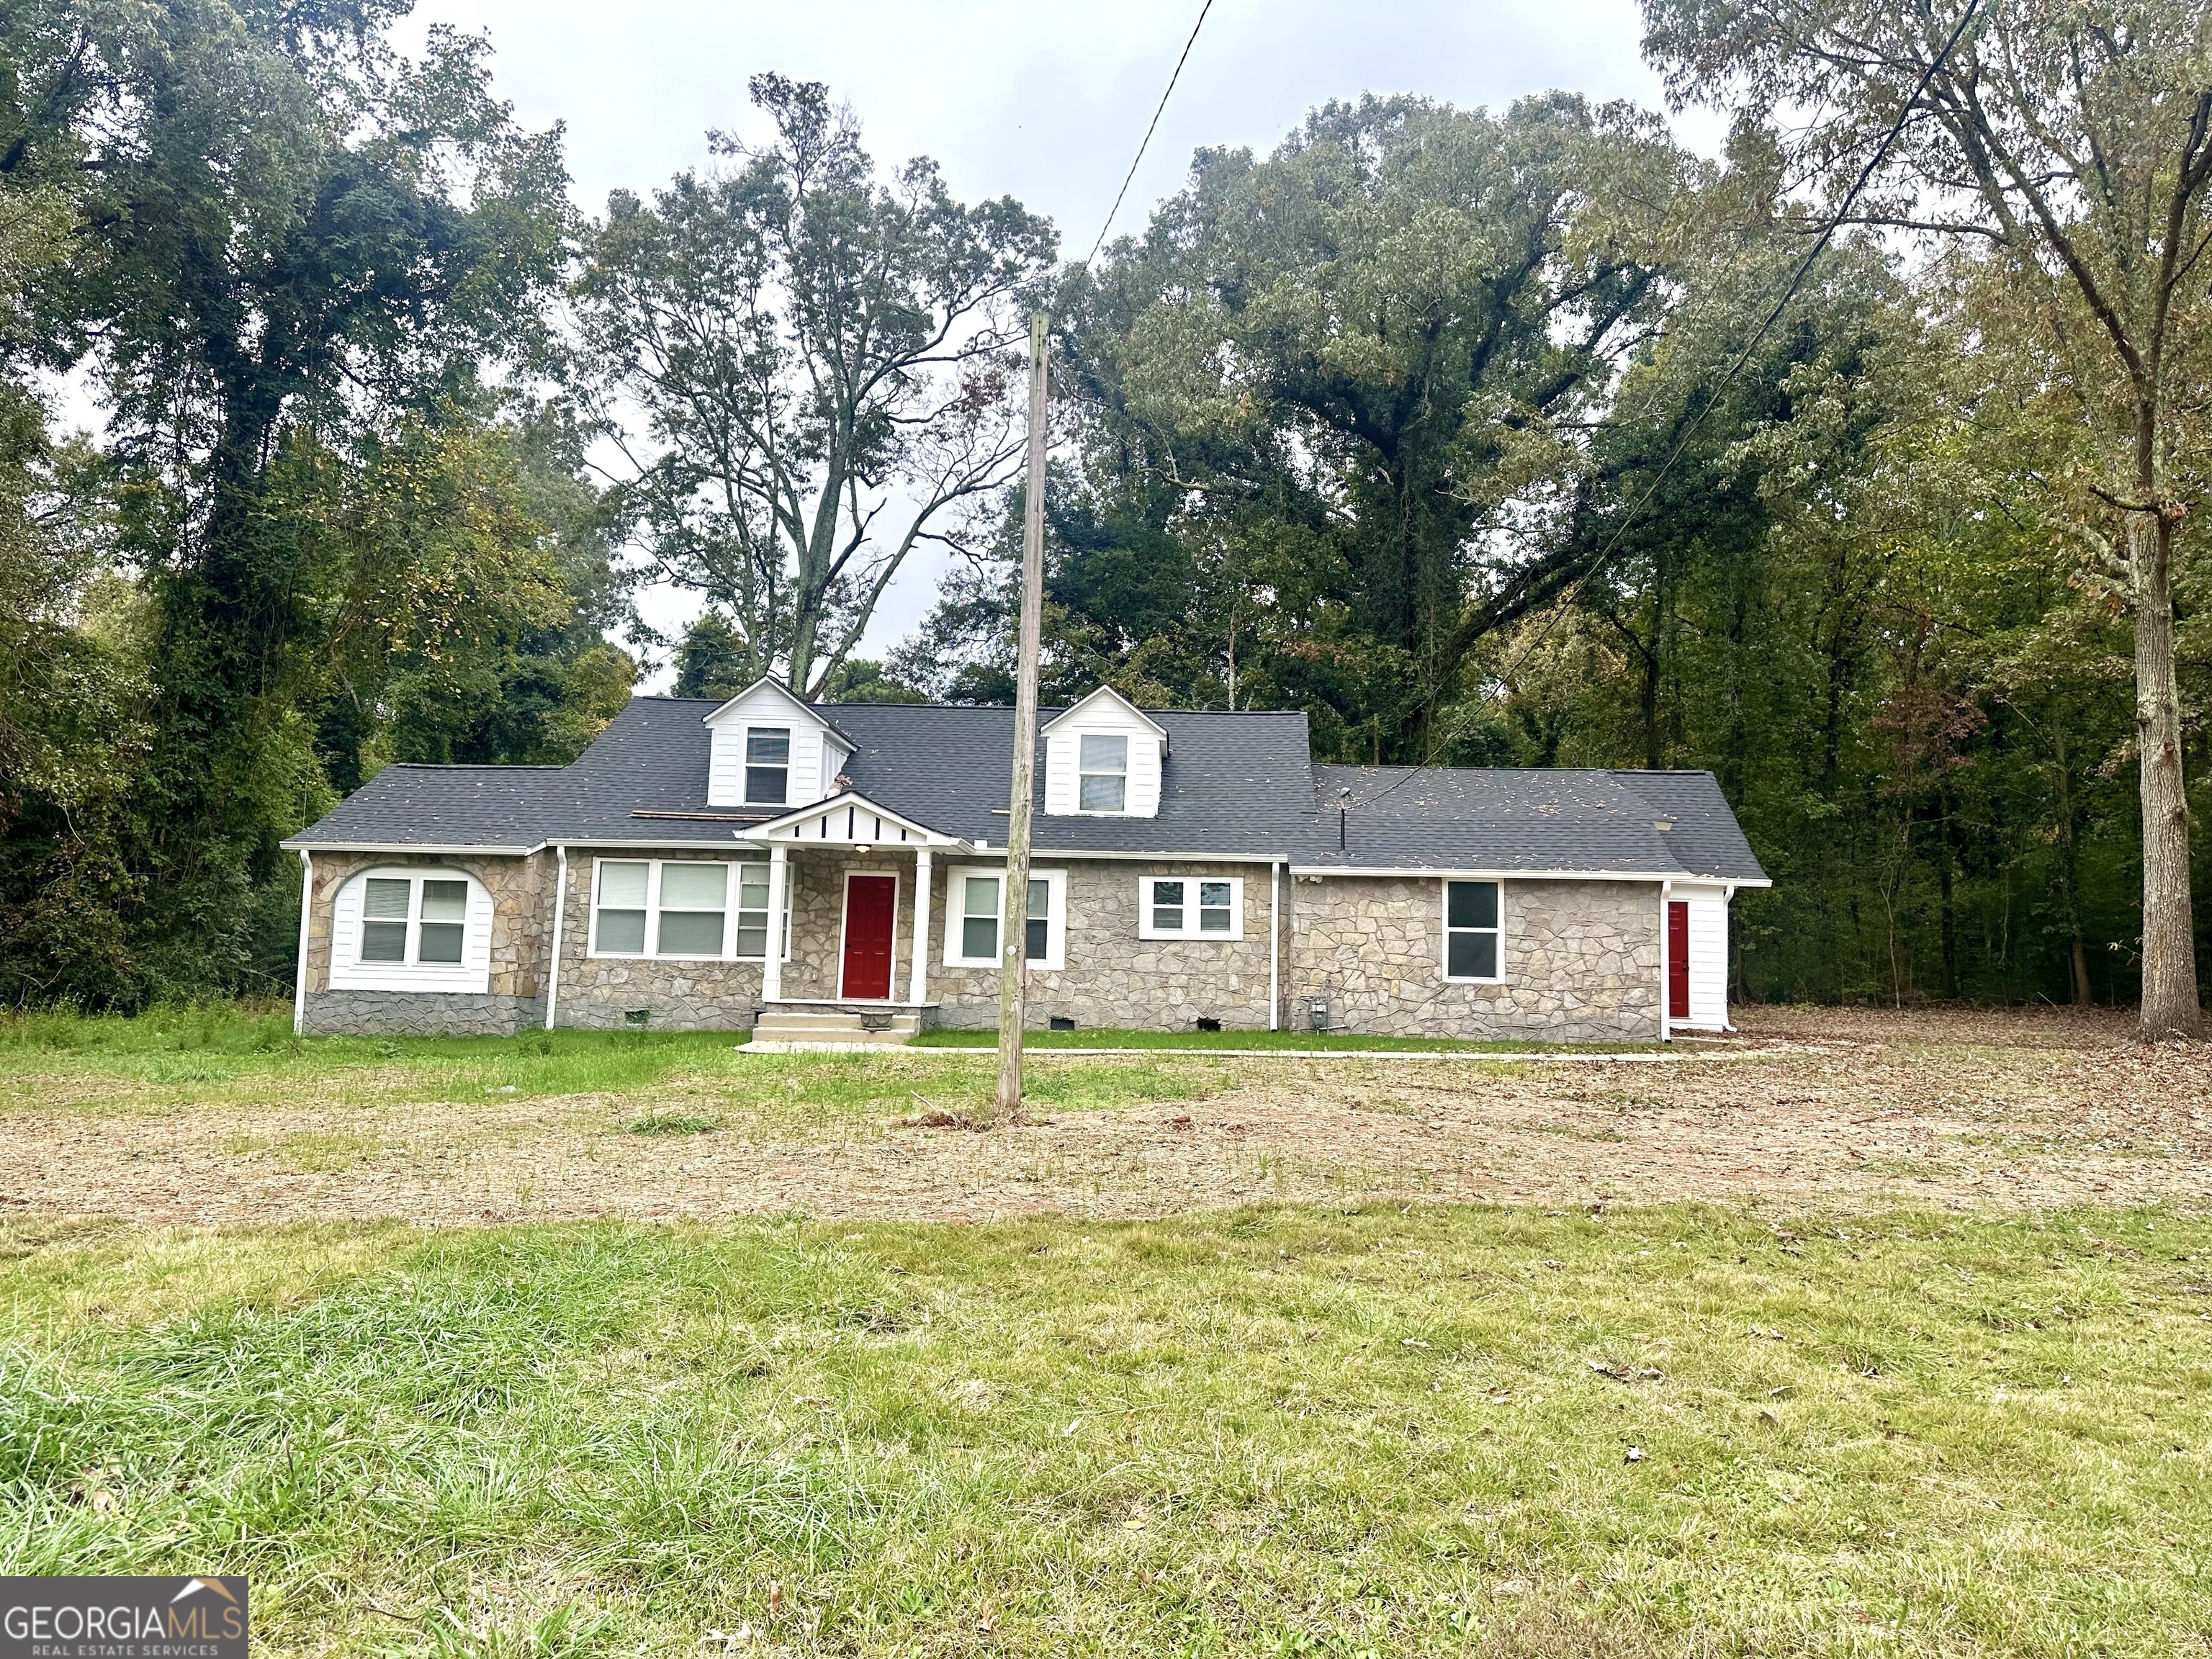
(621,956)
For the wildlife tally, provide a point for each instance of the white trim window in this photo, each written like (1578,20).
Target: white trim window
(1475,944)
(1101,773)
(411,930)
(768,765)
(975,906)
(679,906)
(1190,907)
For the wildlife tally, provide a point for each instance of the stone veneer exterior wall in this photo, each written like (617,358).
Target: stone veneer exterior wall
(1581,960)
(1113,978)
(521,914)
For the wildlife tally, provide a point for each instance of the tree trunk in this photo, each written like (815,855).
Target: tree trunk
(2170,1006)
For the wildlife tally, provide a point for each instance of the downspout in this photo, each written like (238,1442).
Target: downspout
(1727,919)
(1665,981)
(300,966)
(1275,945)
(560,915)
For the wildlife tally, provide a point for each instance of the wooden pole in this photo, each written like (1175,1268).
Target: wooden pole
(1013,966)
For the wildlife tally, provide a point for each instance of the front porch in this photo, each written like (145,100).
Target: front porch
(859,882)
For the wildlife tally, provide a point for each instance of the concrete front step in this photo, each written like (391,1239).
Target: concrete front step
(831,1031)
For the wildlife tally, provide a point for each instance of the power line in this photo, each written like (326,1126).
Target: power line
(1149,130)
(1796,277)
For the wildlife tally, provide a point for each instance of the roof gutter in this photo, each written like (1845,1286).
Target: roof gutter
(1430,872)
(298,844)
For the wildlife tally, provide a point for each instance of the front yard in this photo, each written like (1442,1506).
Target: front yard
(211,1116)
(1854,1349)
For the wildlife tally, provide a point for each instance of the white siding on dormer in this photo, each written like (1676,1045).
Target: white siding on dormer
(1063,748)
(834,756)
(811,768)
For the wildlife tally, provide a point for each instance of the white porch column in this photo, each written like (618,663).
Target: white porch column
(919,990)
(772,965)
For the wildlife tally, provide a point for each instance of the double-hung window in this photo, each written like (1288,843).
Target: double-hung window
(1103,773)
(1185,907)
(667,907)
(427,929)
(1471,931)
(977,910)
(768,765)
(694,900)
(420,919)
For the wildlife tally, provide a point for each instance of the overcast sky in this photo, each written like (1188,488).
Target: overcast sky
(1045,103)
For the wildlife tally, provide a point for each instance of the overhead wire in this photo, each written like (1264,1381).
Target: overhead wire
(1145,142)
(1790,292)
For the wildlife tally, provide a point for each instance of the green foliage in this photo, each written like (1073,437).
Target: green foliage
(312,540)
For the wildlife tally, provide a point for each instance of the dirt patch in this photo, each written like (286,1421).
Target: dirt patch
(1954,1107)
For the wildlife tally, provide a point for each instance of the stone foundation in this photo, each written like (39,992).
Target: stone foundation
(420,1013)
(1581,960)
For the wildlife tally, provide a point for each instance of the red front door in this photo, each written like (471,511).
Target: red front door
(871,907)
(1678,960)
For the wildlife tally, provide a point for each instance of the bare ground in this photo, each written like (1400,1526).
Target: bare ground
(1838,1107)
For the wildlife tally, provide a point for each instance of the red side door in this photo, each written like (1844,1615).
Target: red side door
(1678,960)
(871,907)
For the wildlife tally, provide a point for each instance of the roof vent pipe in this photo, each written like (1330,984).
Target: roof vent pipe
(1343,811)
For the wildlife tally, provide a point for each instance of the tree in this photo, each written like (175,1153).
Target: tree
(285,235)
(824,363)
(1384,344)
(2074,142)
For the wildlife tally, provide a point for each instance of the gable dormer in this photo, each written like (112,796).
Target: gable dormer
(771,752)
(1103,758)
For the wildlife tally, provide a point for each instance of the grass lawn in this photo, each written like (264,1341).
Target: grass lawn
(245,1056)
(1338,1043)
(1672,1430)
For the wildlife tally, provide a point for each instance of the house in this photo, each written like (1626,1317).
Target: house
(1187,866)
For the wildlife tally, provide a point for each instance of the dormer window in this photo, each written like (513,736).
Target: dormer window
(1103,775)
(1104,758)
(768,765)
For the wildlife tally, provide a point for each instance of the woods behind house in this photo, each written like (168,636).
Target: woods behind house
(1475,435)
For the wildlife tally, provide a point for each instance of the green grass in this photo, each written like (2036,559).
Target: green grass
(1270,1432)
(243,1057)
(1340,1041)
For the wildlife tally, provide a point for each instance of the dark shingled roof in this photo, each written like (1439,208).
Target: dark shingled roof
(1233,785)
(408,805)
(1528,818)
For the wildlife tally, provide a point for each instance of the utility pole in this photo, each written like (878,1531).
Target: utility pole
(1013,944)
